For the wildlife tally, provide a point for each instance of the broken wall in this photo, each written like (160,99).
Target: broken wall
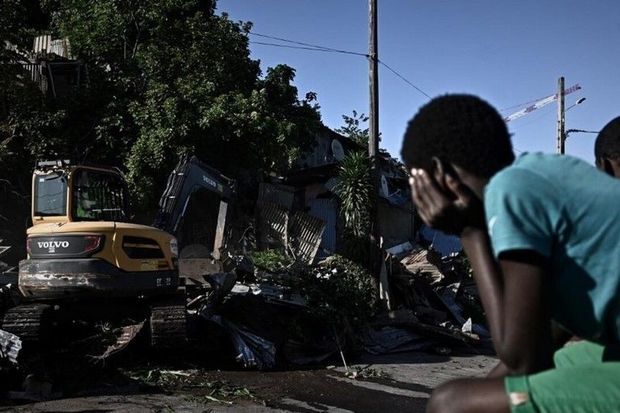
(396,223)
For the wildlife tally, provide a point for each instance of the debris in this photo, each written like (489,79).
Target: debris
(125,335)
(211,293)
(439,295)
(298,232)
(444,243)
(221,390)
(448,297)
(443,351)
(393,318)
(417,263)
(7,276)
(366,373)
(384,286)
(10,345)
(467,326)
(315,351)
(344,361)
(35,389)
(400,250)
(389,340)
(164,378)
(252,351)
(270,292)
(9,295)
(215,399)
(3,249)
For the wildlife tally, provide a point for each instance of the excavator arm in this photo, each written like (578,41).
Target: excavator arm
(188,177)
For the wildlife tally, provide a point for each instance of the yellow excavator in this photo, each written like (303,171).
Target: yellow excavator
(86,259)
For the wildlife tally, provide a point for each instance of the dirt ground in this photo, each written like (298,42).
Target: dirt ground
(398,382)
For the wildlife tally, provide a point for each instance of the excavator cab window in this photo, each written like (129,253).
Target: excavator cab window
(50,194)
(98,196)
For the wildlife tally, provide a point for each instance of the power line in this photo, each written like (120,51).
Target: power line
(318,48)
(404,79)
(308,45)
(288,40)
(312,48)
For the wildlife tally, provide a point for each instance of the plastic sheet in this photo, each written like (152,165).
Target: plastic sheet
(251,350)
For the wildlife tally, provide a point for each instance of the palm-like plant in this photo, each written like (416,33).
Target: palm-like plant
(354,191)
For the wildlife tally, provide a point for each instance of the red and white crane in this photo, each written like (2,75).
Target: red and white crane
(540,103)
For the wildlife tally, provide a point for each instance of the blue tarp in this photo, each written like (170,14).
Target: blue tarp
(398,198)
(443,243)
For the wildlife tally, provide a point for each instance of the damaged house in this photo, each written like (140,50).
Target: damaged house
(51,66)
(308,191)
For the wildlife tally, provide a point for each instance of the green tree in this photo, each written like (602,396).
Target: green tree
(20,101)
(33,126)
(353,128)
(184,82)
(166,77)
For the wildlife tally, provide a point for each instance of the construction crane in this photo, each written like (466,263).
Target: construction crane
(540,103)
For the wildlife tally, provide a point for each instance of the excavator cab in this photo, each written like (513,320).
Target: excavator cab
(98,196)
(65,193)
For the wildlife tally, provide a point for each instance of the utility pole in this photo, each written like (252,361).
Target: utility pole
(561,138)
(373,140)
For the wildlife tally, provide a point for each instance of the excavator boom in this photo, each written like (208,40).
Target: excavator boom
(188,177)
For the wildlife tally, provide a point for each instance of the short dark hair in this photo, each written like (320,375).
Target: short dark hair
(607,144)
(460,129)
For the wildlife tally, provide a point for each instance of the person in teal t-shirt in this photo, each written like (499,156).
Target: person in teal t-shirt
(541,233)
(567,211)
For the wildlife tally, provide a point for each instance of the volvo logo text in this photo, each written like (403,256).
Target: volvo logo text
(52,245)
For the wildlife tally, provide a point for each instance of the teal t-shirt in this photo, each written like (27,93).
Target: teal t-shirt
(566,210)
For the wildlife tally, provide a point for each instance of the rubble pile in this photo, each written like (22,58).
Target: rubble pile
(266,310)
(273,312)
(436,304)
(10,344)
(286,312)
(279,312)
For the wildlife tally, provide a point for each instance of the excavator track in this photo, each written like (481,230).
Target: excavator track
(168,324)
(30,322)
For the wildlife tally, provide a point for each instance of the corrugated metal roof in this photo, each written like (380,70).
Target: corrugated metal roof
(305,234)
(301,232)
(417,262)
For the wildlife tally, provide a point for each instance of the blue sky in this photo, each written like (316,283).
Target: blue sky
(507,52)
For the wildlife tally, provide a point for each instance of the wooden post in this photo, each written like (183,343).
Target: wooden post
(561,138)
(373,140)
